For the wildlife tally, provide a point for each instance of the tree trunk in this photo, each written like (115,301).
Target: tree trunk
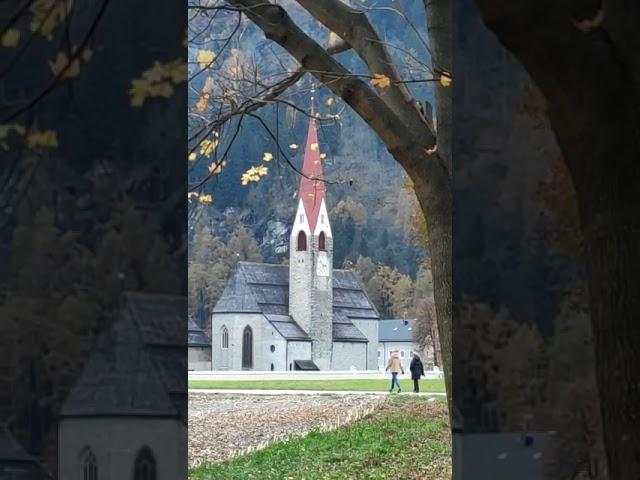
(611,230)
(586,65)
(438,216)
(434,195)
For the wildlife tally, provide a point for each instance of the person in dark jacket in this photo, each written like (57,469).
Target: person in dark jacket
(417,371)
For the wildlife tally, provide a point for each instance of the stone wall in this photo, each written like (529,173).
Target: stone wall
(199,358)
(297,351)
(370,330)
(346,354)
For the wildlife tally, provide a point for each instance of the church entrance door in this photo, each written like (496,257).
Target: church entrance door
(247,348)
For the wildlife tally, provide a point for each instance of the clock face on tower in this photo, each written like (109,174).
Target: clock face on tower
(323,266)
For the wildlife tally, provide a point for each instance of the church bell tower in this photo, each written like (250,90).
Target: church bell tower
(311,257)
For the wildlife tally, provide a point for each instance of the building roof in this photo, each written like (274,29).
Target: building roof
(137,365)
(264,288)
(196,336)
(311,191)
(11,451)
(395,330)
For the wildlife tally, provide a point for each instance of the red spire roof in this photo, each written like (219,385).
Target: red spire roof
(311,191)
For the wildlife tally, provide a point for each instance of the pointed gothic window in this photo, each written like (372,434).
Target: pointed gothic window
(302,218)
(247,348)
(89,466)
(145,465)
(225,337)
(302,241)
(322,242)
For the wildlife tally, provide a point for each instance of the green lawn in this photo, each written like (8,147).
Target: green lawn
(373,385)
(408,438)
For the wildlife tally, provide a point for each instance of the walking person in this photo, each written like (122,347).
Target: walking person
(417,371)
(395,367)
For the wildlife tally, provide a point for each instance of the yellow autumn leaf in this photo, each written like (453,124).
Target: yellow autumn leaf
(207,147)
(445,79)
(202,103)
(191,194)
(261,170)
(163,89)
(329,101)
(205,199)
(11,127)
(267,157)
(293,146)
(313,146)
(192,156)
(61,63)
(214,168)
(10,38)
(155,73)
(42,139)
(47,15)
(587,24)
(176,71)
(208,85)
(205,58)
(323,155)
(380,80)
(138,92)
(157,81)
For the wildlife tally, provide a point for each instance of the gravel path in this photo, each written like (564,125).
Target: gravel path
(224,425)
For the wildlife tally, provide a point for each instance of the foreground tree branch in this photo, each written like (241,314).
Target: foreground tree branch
(354,27)
(407,137)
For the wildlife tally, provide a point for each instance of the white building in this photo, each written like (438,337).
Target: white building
(396,335)
(199,347)
(126,416)
(304,315)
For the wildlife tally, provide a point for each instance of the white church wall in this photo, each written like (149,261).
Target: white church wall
(264,336)
(297,351)
(348,354)
(199,358)
(116,441)
(370,330)
(279,355)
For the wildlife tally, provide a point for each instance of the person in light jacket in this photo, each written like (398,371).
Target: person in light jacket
(395,367)
(417,371)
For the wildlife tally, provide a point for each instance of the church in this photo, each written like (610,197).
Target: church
(301,316)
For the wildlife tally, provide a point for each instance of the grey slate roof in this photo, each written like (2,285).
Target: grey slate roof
(196,336)
(11,450)
(137,365)
(395,330)
(264,288)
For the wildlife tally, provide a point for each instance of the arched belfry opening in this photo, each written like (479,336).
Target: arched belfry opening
(302,241)
(322,242)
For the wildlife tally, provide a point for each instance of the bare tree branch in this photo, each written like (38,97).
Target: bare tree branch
(354,27)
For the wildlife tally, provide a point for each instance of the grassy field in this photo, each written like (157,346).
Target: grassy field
(372,385)
(407,438)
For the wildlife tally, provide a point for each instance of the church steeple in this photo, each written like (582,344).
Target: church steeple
(312,187)
(311,256)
